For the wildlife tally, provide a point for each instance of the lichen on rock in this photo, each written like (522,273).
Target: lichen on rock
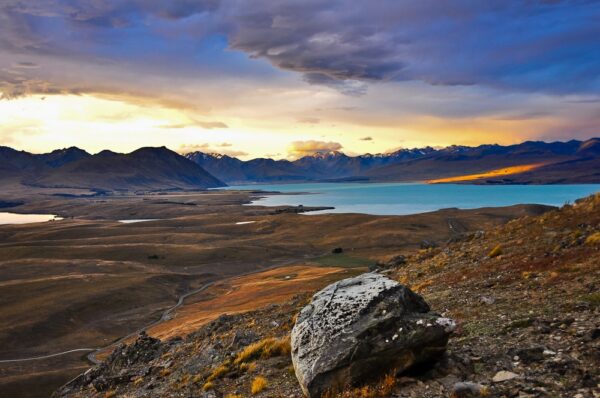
(360,328)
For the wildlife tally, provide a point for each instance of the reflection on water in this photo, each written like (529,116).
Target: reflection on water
(14,218)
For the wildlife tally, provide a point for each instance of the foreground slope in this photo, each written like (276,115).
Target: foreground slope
(525,296)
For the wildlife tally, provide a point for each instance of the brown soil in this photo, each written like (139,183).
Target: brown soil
(525,296)
(88,280)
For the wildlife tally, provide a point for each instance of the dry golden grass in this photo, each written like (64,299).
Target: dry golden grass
(381,389)
(267,348)
(495,252)
(138,380)
(208,386)
(165,372)
(233,396)
(248,367)
(246,293)
(110,394)
(219,371)
(258,384)
(593,239)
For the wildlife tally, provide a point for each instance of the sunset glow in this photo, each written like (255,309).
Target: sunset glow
(202,76)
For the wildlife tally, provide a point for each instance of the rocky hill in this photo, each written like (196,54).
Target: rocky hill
(524,297)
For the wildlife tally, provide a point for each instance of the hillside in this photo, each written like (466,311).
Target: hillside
(143,169)
(555,162)
(531,162)
(524,295)
(16,163)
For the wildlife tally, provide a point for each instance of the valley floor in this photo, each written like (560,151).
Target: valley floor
(89,280)
(525,296)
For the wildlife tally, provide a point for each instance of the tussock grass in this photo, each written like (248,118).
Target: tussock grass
(219,371)
(267,348)
(258,384)
(593,239)
(208,386)
(495,252)
(383,388)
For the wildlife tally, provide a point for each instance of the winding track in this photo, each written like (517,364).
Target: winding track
(165,316)
(92,355)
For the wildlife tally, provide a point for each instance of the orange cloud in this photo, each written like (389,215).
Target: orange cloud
(310,147)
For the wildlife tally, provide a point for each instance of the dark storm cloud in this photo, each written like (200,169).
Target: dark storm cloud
(524,45)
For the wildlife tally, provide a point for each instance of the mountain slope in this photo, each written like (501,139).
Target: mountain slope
(15,163)
(459,161)
(143,169)
(319,166)
(529,162)
(232,170)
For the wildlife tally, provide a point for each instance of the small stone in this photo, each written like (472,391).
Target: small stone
(468,390)
(487,300)
(504,375)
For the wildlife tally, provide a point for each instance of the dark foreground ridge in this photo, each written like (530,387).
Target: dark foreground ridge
(524,297)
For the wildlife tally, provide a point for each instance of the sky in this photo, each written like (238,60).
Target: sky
(282,79)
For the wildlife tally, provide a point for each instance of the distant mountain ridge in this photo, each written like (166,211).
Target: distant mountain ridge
(319,166)
(151,169)
(144,169)
(554,162)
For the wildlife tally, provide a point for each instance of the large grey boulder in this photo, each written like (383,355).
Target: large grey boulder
(362,328)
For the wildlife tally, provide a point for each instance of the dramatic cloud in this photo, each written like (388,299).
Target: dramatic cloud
(527,45)
(423,71)
(310,147)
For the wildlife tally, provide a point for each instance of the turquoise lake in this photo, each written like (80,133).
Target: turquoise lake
(411,198)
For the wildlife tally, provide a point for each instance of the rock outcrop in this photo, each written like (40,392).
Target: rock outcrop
(361,328)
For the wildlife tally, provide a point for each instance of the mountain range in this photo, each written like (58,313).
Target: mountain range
(149,169)
(145,169)
(526,163)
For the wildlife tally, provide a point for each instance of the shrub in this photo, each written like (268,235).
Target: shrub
(267,348)
(258,384)
(495,252)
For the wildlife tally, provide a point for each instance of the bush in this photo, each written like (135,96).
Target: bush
(258,384)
